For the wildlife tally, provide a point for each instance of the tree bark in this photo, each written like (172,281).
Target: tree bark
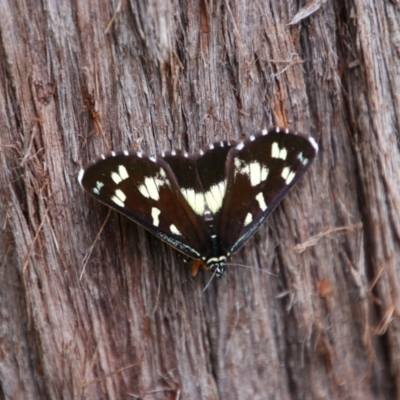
(92,306)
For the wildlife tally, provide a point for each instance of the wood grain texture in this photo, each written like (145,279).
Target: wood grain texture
(93,307)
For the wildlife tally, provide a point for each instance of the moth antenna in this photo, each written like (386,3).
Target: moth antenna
(250,267)
(210,280)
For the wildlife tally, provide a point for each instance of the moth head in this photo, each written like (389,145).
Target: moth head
(217,266)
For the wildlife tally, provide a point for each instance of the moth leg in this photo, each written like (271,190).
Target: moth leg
(196,265)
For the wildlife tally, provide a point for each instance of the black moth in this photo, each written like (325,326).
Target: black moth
(206,205)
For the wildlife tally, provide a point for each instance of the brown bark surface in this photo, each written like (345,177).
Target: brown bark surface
(94,307)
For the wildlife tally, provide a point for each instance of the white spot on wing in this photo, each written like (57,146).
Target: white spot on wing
(285,173)
(288,175)
(174,230)
(151,185)
(264,173)
(143,190)
(283,154)
(98,187)
(215,196)
(117,201)
(238,165)
(255,173)
(123,173)
(248,220)
(152,188)
(276,152)
(121,195)
(241,167)
(302,159)
(119,198)
(261,201)
(195,200)
(258,173)
(155,212)
(116,178)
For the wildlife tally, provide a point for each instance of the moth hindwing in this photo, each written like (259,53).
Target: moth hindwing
(205,205)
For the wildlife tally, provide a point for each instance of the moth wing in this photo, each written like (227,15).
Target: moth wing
(260,172)
(146,190)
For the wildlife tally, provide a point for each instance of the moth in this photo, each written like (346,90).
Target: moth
(205,205)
